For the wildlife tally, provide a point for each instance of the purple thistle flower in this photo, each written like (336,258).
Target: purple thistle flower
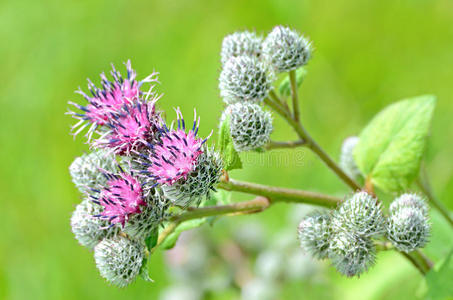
(175,156)
(121,197)
(132,127)
(108,99)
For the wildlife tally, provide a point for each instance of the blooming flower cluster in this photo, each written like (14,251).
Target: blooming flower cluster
(136,161)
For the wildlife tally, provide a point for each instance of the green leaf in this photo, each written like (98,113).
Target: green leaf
(391,146)
(171,240)
(144,274)
(221,197)
(151,240)
(229,155)
(285,87)
(439,280)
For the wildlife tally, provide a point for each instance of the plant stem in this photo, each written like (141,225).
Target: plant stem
(425,186)
(414,262)
(292,79)
(423,266)
(280,101)
(162,236)
(278,194)
(311,143)
(427,263)
(289,144)
(255,205)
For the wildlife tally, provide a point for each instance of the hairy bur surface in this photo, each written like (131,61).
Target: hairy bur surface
(240,43)
(285,49)
(245,78)
(85,170)
(351,254)
(140,226)
(119,260)
(409,227)
(89,230)
(361,214)
(199,182)
(250,125)
(315,234)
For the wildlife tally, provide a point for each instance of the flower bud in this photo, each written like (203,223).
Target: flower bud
(245,78)
(140,226)
(285,49)
(351,254)
(119,260)
(347,162)
(250,125)
(361,214)
(198,183)
(240,43)
(314,234)
(89,230)
(408,228)
(85,172)
(409,200)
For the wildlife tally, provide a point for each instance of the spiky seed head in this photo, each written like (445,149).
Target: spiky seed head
(89,230)
(139,226)
(85,172)
(119,259)
(241,43)
(131,128)
(121,197)
(286,49)
(111,97)
(245,78)
(314,234)
(199,183)
(409,200)
(351,254)
(250,125)
(361,213)
(174,157)
(347,162)
(408,228)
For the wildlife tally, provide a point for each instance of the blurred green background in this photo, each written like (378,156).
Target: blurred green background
(368,54)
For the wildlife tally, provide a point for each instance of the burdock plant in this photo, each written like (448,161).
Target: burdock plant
(147,179)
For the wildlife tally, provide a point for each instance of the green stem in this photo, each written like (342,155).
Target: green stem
(311,143)
(280,101)
(292,80)
(289,144)
(425,187)
(247,207)
(278,194)
(414,262)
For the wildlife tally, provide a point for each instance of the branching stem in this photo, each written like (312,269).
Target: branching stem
(425,187)
(278,194)
(311,143)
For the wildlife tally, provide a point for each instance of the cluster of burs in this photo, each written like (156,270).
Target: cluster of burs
(348,235)
(250,65)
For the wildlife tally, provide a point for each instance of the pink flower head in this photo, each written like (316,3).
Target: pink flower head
(122,197)
(108,99)
(132,127)
(176,154)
